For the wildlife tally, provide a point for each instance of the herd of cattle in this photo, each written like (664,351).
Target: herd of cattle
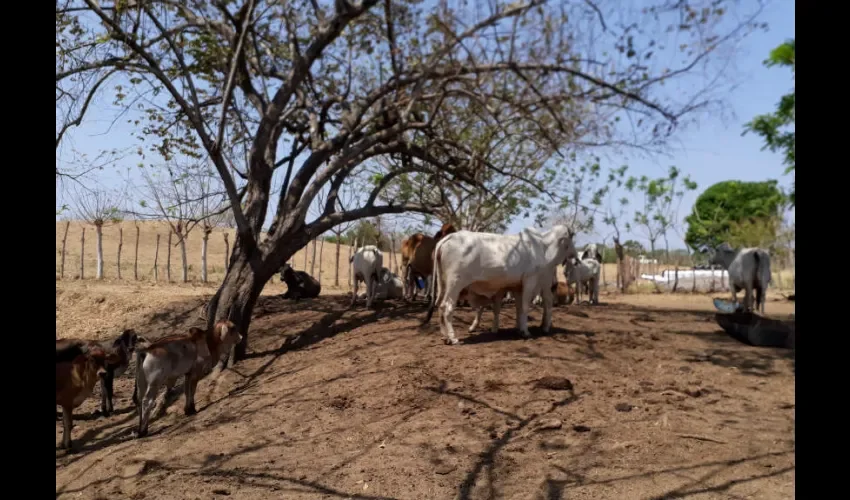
(483,269)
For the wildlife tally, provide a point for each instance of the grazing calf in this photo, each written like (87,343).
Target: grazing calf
(78,366)
(169,358)
(562,293)
(299,284)
(584,273)
(749,269)
(368,265)
(488,264)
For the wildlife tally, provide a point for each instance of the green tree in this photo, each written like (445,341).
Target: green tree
(730,203)
(778,128)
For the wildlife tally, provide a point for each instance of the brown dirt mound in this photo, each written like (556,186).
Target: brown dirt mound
(337,403)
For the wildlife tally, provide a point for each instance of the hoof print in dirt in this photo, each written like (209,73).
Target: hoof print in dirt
(554,383)
(221,491)
(340,403)
(624,407)
(444,469)
(581,428)
(578,313)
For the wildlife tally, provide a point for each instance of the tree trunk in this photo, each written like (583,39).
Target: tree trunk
(136,257)
(336,273)
(62,262)
(204,243)
(83,254)
(676,280)
(120,244)
(98,229)
(305,258)
(313,261)
(351,250)
(185,262)
(155,260)
(226,252)
(238,294)
(168,259)
(321,249)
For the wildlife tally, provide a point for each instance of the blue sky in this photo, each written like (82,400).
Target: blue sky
(712,152)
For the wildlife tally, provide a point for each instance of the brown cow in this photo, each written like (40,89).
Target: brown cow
(78,367)
(417,258)
(169,358)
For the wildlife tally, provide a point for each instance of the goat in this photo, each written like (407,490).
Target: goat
(78,367)
(190,356)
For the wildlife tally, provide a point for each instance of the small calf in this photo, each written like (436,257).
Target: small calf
(299,284)
(169,358)
(123,347)
(78,366)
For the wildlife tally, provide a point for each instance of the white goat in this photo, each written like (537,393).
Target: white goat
(367,264)
(488,265)
(749,269)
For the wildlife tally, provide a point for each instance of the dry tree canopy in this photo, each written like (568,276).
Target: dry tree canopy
(421,102)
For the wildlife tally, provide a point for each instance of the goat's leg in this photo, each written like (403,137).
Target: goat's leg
(106,394)
(190,384)
(67,425)
(147,406)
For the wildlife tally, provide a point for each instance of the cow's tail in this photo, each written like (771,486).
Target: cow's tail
(435,282)
(141,382)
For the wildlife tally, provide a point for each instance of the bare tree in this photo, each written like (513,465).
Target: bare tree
(242,81)
(62,257)
(98,208)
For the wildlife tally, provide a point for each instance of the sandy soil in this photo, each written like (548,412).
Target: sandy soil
(338,403)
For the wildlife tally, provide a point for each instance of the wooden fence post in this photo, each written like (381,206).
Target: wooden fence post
(120,245)
(62,263)
(168,259)
(136,256)
(83,254)
(156,260)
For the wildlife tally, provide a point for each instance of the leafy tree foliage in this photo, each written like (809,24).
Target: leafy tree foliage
(732,204)
(778,128)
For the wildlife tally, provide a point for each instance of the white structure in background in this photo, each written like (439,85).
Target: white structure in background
(703,278)
(643,260)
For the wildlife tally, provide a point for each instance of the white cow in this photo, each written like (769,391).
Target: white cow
(749,269)
(584,273)
(367,264)
(389,287)
(488,265)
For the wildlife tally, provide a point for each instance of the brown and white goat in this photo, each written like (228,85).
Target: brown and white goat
(167,359)
(78,368)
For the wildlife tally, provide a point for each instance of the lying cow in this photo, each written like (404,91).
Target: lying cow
(489,264)
(749,270)
(299,284)
(584,273)
(367,264)
(78,367)
(389,287)
(169,358)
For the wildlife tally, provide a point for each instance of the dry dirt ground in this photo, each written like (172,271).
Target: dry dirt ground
(339,403)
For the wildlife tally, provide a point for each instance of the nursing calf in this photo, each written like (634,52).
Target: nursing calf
(169,358)
(487,265)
